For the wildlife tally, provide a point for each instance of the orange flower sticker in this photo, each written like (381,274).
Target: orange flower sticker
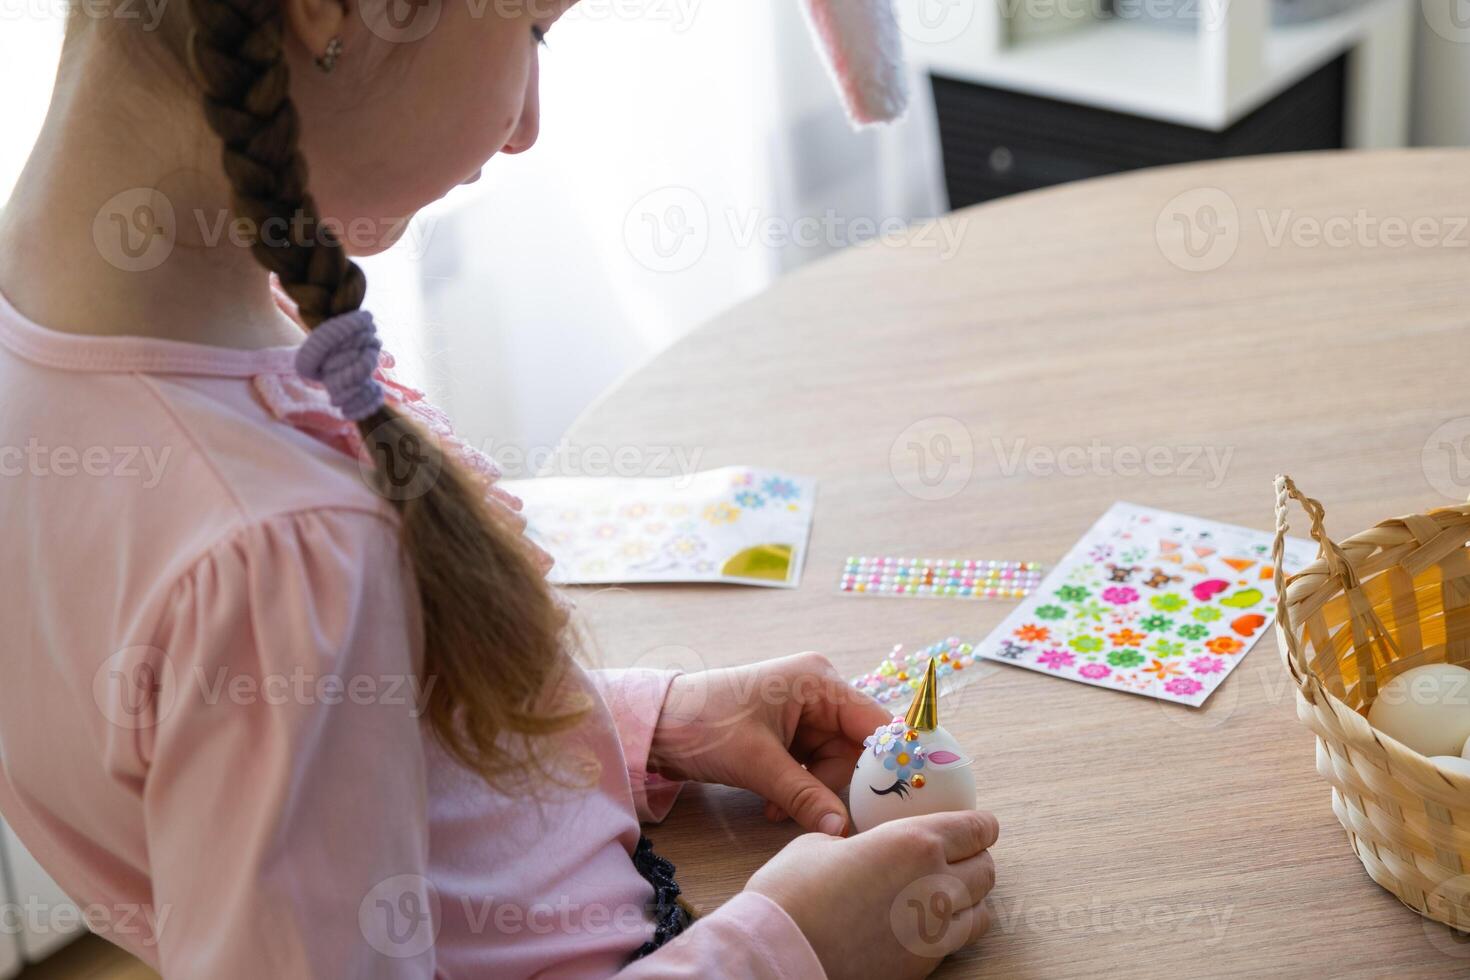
(1032,633)
(1224,645)
(1162,670)
(1126,638)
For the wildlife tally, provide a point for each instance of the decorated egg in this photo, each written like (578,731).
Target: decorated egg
(911,766)
(1452,763)
(1427,708)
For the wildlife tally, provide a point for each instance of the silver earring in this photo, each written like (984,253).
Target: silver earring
(328,60)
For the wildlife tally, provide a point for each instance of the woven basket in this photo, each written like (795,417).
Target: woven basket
(1391,598)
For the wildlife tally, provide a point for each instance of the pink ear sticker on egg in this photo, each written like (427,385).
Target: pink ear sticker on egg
(943,757)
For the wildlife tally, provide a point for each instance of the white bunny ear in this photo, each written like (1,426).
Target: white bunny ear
(861,44)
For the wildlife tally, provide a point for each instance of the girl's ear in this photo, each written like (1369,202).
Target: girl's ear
(314,23)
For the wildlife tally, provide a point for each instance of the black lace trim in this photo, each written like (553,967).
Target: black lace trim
(669,918)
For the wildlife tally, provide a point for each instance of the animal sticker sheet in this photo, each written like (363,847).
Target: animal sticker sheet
(1149,602)
(739,525)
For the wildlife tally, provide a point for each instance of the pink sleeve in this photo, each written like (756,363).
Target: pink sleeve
(635,698)
(749,936)
(286,799)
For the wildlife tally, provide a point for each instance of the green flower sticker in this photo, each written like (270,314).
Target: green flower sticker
(1050,612)
(1156,624)
(1164,648)
(1206,614)
(1092,610)
(1072,593)
(1085,644)
(1168,602)
(1194,631)
(1125,658)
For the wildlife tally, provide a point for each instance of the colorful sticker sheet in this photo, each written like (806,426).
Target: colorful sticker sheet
(738,524)
(939,578)
(1149,602)
(895,680)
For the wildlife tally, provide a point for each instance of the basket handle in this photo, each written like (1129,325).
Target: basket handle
(1286,491)
(1338,567)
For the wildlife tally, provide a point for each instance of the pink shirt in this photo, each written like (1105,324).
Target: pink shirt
(208,722)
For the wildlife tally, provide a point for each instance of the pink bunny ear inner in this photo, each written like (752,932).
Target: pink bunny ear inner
(863,48)
(943,757)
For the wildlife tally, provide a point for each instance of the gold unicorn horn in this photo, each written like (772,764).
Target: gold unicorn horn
(923,714)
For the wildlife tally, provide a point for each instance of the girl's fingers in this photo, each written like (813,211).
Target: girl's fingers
(971,924)
(835,772)
(784,782)
(978,875)
(962,833)
(843,709)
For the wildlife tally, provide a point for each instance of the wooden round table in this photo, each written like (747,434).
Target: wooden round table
(1301,314)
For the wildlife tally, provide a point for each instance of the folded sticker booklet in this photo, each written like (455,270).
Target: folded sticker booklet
(738,524)
(1149,602)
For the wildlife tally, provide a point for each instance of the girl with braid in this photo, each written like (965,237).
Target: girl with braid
(286,694)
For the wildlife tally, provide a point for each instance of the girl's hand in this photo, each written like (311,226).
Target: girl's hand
(890,902)
(789,729)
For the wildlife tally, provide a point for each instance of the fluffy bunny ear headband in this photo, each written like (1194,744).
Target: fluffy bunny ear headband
(861,44)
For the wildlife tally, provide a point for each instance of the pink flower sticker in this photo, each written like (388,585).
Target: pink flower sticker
(1120,595)
(1207,665)
(1094,672)
(1184,686)
(1056,659)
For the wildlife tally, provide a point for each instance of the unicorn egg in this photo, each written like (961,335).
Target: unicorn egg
(911,766)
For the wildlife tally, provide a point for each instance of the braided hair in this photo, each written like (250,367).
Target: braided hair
(493,631)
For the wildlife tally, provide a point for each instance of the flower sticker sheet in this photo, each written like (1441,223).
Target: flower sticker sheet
(1149,602)
(738,524)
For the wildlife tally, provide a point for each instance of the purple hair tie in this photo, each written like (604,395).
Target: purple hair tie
(342,353)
